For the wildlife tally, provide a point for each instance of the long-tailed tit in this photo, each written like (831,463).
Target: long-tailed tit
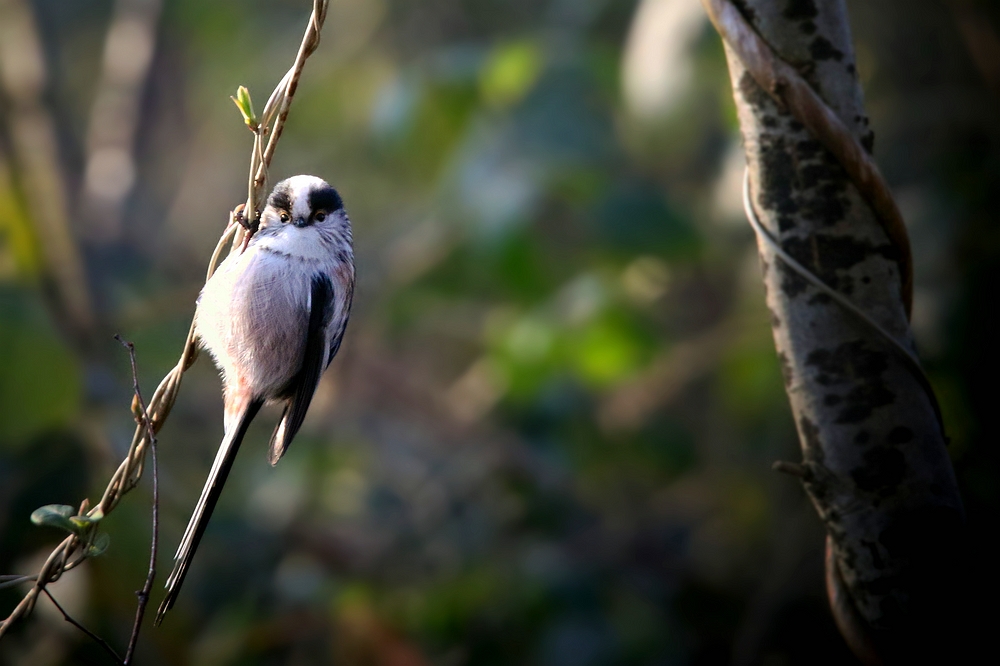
(272,317)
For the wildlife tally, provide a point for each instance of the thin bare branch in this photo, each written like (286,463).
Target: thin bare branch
(278,104)
(69,618)
(142,418)
(15,580)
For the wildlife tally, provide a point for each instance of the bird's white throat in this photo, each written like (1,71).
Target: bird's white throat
(302,242)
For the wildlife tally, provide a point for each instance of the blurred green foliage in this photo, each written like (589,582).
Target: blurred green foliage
(41,385)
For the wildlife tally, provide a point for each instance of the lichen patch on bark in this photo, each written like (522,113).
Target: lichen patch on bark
(861,368)
(829,256)
(787,374)
(883,471)
(798,10)
(822,49)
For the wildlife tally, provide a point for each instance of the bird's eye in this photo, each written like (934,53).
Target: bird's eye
(320,216)
(284,217)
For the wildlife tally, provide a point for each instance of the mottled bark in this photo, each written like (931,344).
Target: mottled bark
(875,462)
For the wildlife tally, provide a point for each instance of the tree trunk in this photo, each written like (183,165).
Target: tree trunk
(875,464)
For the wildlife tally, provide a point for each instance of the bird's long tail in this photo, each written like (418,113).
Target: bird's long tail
(206,504)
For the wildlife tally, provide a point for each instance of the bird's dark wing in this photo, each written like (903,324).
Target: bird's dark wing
(206,504)
(313,363)
(338,335)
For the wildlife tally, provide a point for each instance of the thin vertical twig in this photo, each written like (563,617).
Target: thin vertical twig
(69,618)
(142,417)
(278,104)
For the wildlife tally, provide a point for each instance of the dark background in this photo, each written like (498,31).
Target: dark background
(547,438)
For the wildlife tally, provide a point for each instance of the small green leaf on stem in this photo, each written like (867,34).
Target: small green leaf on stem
(245,105)
(83,522)
(100,544)
(55,515)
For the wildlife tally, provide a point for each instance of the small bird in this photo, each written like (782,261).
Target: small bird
(272,317)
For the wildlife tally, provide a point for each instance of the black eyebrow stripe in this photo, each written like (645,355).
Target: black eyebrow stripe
(280,199)
(325,198)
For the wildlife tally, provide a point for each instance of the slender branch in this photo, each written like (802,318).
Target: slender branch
(15,580)
(100,641)
(309,43)
(791,468)
(277,108)
(127,476)
(142,417)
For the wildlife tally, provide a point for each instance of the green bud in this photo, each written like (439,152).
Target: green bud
(245,105)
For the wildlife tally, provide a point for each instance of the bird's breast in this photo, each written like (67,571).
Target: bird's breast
(252,317)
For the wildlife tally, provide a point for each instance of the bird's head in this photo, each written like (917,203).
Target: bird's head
(302,202)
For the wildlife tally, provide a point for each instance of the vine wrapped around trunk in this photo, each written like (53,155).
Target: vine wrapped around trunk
(874,458)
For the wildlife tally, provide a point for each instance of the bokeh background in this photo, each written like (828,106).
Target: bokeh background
(547,438)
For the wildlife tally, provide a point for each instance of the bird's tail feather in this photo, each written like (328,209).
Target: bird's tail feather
(206,504)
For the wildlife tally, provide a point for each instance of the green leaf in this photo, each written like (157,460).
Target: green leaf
(100,544)
(245,105)
(55,515)
(83,522)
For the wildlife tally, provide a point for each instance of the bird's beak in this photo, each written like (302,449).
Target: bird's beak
(301,222)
